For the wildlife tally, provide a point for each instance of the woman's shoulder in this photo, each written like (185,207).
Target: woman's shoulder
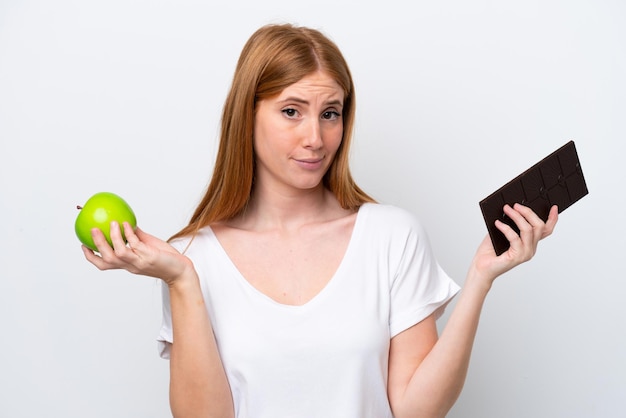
(389,223)
(395,229)
(389,215)
(199,239)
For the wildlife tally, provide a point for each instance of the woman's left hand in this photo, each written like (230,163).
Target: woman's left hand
(523,246)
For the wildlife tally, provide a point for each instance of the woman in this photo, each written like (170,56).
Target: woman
(291,292)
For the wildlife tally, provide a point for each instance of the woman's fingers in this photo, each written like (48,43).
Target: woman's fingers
(103,247)
(540,228)
(134,251)
(117,239)
(133,241)
(117,256)
(523,245)
(553,218)
(91,256)
(101,242)
(530,226)
(532,229)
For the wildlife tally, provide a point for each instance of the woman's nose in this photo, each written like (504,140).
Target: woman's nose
(312,135)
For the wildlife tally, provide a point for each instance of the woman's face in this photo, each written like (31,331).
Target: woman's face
(297,133)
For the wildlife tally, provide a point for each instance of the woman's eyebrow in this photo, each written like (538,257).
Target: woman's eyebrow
(334,102)
(294,99)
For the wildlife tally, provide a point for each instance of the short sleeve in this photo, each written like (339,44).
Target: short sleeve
(166,335)
(165,338)
(419,287)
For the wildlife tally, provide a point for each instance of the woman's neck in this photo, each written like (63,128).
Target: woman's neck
(269,209)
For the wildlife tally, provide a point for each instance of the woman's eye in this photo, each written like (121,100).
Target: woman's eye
(330,115)
(290,112)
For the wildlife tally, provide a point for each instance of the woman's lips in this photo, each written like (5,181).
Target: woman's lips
(310,163)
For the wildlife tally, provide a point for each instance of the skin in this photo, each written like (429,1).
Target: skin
(296,136)
(291,216)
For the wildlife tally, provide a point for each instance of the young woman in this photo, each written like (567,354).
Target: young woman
(291,292)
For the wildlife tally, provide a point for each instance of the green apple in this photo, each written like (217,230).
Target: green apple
(99,211)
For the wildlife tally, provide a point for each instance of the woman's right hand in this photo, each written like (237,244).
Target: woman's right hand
(144,254)
(523,246)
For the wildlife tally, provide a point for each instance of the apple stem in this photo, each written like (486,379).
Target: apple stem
(79,207)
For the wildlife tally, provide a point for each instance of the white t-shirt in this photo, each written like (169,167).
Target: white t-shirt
(327,358)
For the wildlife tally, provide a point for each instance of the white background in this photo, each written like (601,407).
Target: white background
(454,98)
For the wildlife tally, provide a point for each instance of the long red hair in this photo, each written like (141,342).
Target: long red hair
(274,57)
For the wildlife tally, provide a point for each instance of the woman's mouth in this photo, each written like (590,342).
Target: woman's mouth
(310,163)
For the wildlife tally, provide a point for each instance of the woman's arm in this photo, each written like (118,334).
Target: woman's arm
(427,373)
(198,384)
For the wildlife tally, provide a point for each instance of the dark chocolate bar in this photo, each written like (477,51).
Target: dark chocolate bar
(556,180)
